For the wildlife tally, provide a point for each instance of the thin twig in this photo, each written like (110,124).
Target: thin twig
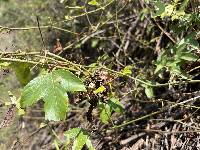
(165,32)
(38,24)
(35,27)
(77,67)
(155,113)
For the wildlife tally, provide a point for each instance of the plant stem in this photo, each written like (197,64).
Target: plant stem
(63,63)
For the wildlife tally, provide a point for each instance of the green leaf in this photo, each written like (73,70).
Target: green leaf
(183,5)
(94,43)
(160,8)
(56,144)
(72,133)
(106,109)
(159,67)
(93,3)
(89,144)
(161,62)
(100,90)
(190,40)
(175,68)
(189,56)
(4,64)
(168,11)
(105,112)
(52,88)
(177,15)
(80,141)
(115,105)
(80,138)
(20,111)
(22,72)
(178,50)
(127,70)
(149,91)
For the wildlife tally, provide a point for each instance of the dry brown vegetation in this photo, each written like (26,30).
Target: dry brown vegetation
(138,60)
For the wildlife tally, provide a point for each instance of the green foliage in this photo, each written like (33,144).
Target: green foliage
(184,5)
(106,109)
(52,88)
(178,55)
(160,8)
(149,91)
(22,72)
(4,64)
(105,112)
(106,27)
(127,70)
(99,89)
(56,144)
(94,3)
(169,10)
(80,137)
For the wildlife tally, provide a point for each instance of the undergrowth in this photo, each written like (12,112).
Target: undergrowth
(120,66)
